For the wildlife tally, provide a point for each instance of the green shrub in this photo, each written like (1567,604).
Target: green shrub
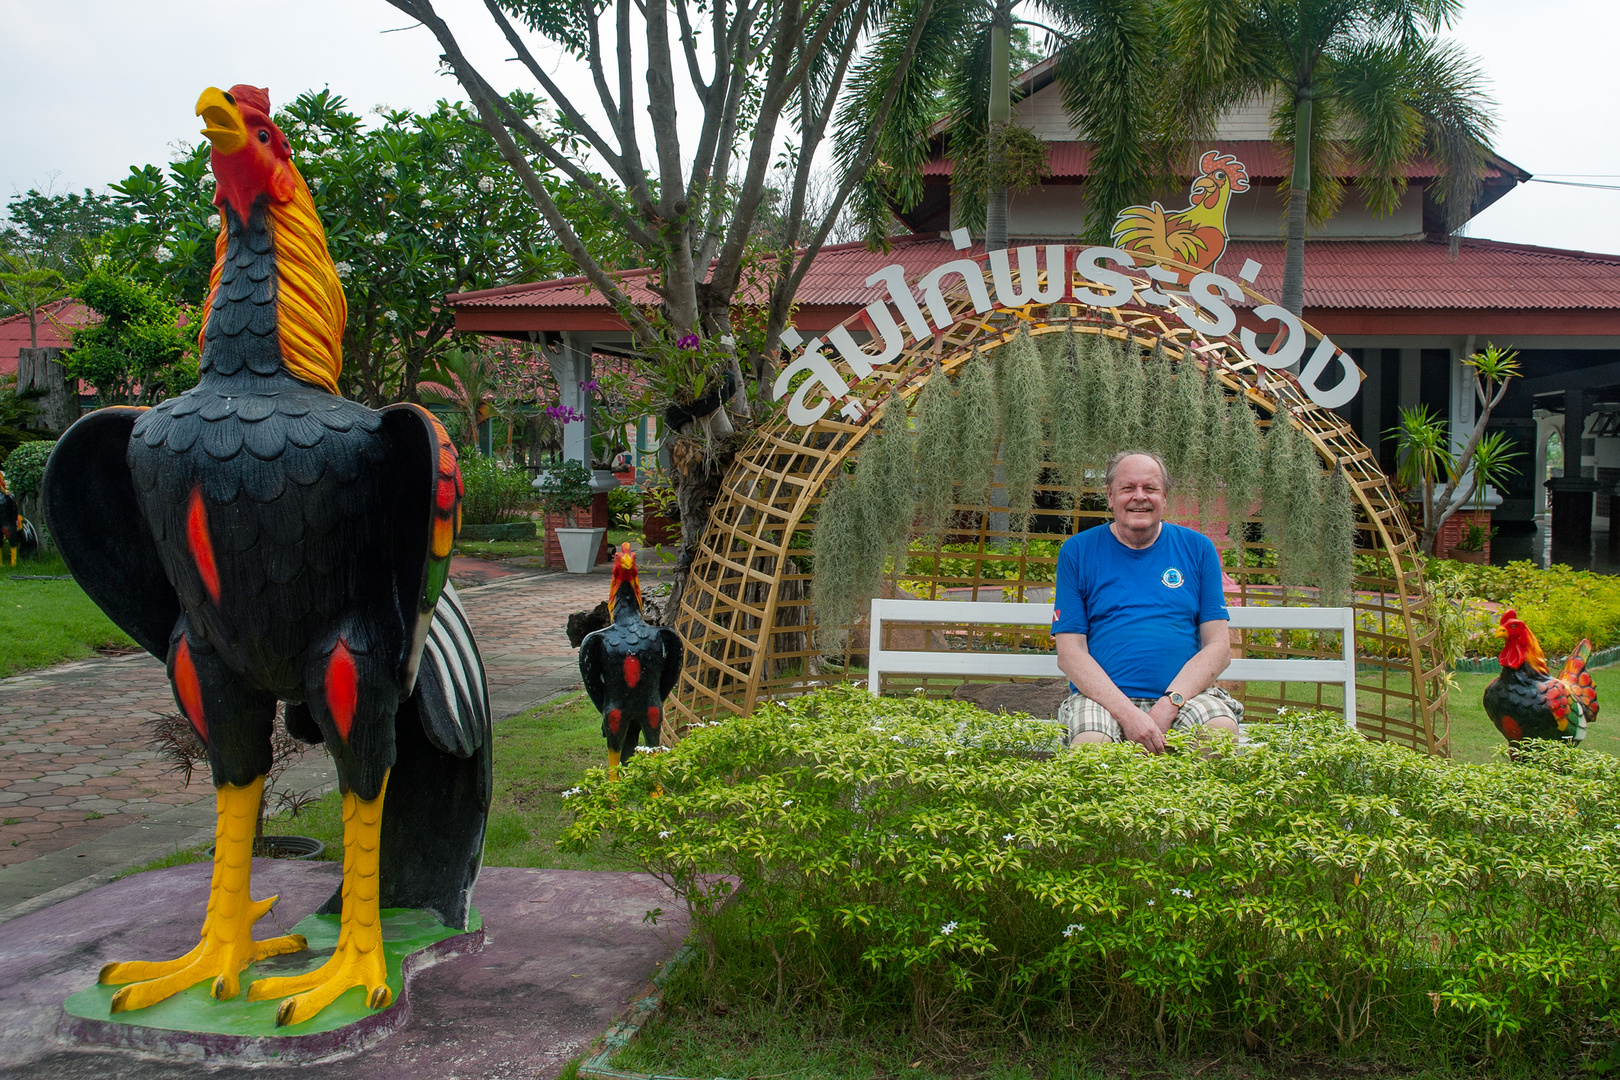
(1561,606)
(624,506)
(25,467)
(921,858)
(565,489)
(494,492)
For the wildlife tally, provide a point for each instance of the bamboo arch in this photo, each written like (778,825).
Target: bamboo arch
(746,614)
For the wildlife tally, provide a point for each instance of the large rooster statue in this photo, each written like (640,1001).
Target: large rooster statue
(629,666)
(1524,702)
(273,541)
(1197,234)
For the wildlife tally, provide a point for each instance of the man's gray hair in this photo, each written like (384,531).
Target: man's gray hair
(1113,467)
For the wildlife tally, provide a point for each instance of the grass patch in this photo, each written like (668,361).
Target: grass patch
(49,622)
(177,857)
(538,755)
(511,549)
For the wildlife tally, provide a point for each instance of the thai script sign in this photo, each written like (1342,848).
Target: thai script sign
(1091,276)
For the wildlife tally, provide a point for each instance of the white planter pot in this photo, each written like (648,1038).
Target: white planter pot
(579,548)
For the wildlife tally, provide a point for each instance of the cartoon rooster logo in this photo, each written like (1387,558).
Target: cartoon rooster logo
(1197,234)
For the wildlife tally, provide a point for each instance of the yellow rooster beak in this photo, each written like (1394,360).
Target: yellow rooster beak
(225,127)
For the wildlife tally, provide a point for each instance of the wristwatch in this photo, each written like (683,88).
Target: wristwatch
(1175,699)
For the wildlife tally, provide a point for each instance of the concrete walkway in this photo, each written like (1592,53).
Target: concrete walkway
(83,796)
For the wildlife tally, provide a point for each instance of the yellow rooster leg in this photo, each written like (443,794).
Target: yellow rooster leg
(613,765)
(358,959)
(227,944)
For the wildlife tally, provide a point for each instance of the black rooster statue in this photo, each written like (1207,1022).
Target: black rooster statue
(629,666)
(16,532)
(1524,702)
(272,541)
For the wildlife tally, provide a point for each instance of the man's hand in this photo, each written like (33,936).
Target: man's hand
(1164,713)
(1141,727)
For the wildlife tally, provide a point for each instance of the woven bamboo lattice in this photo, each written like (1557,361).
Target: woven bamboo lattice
(749,623)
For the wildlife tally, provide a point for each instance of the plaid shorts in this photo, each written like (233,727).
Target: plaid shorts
(1079,713)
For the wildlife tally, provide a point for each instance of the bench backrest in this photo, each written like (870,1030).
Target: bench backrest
(1045,665)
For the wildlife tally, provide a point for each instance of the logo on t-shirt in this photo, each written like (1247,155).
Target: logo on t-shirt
(1172,578)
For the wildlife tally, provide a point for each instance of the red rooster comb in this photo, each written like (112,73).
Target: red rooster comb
(1520,645)
(1235,172)
(624,572)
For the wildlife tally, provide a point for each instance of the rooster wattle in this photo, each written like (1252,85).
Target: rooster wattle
(629,666)
(1524,702)
(273,541)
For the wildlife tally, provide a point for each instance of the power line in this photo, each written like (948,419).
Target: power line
(1573,183)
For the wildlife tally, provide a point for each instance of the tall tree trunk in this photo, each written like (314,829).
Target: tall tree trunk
(995,202)
(1299,191)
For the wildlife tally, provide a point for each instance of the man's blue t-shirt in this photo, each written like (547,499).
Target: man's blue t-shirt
(1139,610)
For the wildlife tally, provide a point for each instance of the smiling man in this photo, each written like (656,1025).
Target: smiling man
(1140,619)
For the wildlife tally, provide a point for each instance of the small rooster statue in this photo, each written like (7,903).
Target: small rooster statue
(630,666)
(1524,702)
(16,532)
(1196,235)
(273,541)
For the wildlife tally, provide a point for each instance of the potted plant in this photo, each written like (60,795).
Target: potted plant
(566,490)
(660,516)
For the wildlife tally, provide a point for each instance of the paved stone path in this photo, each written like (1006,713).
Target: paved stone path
(78,780)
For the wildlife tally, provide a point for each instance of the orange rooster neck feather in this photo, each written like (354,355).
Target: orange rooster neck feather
(624,573)
(311,310)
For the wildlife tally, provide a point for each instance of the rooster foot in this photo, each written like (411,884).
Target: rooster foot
(358,959)
(227,945)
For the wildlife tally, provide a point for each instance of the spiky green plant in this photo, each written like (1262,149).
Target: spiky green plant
(1023,433)
(1337,518)
(1211,470)
(977,429)
(1243,465)
(936,450)
(1161,425)
(839,547)
(887,476)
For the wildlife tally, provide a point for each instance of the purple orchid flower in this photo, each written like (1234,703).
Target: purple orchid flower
(689,341)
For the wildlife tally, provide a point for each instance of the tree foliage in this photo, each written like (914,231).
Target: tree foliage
(138,352)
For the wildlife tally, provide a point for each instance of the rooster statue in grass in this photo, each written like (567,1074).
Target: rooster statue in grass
(273,541)
(16,532)
(629,666)
(1524,702)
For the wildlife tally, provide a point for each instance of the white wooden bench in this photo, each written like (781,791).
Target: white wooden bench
(1044,665)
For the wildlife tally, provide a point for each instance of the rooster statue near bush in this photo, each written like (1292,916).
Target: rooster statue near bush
(272,541)
(1524,702)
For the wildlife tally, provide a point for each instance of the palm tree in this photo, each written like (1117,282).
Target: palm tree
(1355,82)
(468,382)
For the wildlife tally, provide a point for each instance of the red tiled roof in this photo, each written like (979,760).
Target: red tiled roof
(56,324)
(1358,275)
(1261,158)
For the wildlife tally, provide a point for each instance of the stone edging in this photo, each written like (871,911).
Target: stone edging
(618,1036)
(1489,665)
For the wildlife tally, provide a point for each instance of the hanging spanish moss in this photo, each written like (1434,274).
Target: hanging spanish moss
(976,424)
(1243,464)
(1090,377)
(936,449)
(1023,434)
(840,547)
(1114,426)
(888,488)
(1067,387)
(1182,410)
(1162,426)
(1126,401)
(1291,492)
(1212,470)
(1337,518)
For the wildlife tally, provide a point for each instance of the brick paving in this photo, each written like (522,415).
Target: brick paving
(74,759)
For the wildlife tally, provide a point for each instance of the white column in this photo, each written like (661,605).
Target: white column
(571,366)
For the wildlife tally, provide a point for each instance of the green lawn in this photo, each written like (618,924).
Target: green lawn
(538,755)
(48,622)
(508,549)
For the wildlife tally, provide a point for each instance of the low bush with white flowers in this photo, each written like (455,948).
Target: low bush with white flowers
(1311,891)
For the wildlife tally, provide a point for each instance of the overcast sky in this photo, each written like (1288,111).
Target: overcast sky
(90,87)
